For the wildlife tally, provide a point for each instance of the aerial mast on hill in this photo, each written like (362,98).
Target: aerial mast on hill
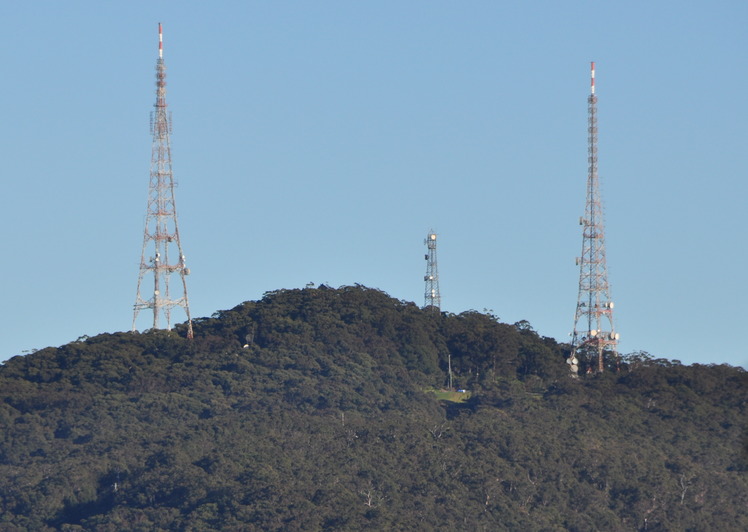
(594,334)
(161,219)
(432,299)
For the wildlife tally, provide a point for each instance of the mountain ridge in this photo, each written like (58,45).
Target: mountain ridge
(311,410)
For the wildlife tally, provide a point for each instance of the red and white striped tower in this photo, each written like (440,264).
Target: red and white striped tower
(594,335)
(161,228)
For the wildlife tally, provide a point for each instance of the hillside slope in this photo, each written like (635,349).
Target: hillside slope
(313,409)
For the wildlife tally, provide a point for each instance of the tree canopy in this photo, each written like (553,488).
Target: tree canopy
(316,409)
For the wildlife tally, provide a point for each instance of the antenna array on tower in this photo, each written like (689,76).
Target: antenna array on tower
(594,333)
(161,226)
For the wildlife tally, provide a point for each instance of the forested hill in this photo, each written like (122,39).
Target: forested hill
(325,409)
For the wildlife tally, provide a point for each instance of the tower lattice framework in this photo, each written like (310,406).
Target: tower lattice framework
(161,228)
(594,334)
(432,298)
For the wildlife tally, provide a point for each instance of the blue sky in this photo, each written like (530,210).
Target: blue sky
(320,141)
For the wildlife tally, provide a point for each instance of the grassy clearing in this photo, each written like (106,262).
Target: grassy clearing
(451,396)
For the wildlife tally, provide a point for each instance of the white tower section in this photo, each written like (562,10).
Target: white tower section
(432,298)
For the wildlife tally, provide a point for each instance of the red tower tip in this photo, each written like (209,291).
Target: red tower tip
(592,77)
(160,42)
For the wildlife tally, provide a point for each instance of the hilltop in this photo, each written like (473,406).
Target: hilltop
(323,409)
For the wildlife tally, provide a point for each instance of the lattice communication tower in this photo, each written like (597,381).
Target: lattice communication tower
(432,298)
(594,335)
(161,228)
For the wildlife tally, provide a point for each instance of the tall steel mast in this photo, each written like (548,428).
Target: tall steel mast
(161,226)
(594,334)
(432,298)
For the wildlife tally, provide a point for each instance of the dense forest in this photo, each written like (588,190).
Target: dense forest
(328,409)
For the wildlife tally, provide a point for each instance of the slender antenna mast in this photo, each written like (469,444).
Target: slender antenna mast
(594,333)
(432,299)
(161,218)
